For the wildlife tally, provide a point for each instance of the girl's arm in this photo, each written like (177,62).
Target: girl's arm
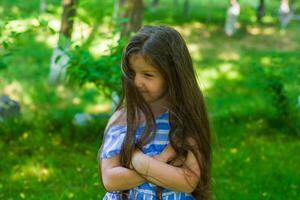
(182,179)
(116,177)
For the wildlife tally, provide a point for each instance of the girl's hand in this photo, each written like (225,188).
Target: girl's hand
(166,155)
(139,162)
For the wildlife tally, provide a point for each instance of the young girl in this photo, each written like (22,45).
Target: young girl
(157,142)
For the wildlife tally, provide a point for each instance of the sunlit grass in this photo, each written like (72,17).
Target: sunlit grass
(208,77)
(229,56)
(15,90)
(31,170)
(261,31)
(229,72)
(266,61)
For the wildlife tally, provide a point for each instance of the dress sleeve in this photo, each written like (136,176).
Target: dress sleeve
(112,141)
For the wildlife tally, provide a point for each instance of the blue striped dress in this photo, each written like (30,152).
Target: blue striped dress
(112,146)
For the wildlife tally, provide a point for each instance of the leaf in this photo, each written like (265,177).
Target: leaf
(51,30)
(3,65)
(5,45)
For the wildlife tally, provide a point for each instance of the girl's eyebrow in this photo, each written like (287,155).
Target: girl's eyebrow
(147,71)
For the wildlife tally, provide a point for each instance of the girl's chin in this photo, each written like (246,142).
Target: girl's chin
(148,99)
(151,100)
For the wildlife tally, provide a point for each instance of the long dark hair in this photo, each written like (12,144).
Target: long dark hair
(164,48)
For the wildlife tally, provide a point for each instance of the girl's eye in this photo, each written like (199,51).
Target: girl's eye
(148,75)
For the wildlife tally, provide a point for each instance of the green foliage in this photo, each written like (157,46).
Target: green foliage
(94,11)
(5,43)
(104,72)
(12,32)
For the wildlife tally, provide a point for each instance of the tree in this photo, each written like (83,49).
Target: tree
(133,12)
(261,9)
(284,13)
(186,6)
(233,12)
(59,58)
(43,6)
(154,4)
(67,20)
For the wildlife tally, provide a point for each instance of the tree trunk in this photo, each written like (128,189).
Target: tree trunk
(233,12)
(284,13)
(186,6)
(59,57)
(154,4)
(43,6)
(91,35)
(261,9)
(133,10)
(67,20)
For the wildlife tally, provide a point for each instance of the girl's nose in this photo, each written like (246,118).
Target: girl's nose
(138,81)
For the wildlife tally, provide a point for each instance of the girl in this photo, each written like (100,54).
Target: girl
(157,143)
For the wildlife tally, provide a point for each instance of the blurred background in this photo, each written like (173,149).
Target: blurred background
(60,80)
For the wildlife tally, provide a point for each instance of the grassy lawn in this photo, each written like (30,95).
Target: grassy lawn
(44,156)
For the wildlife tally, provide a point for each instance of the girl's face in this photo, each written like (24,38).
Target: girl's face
(148,80)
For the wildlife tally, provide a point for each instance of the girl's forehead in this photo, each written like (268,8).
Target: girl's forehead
(138,62)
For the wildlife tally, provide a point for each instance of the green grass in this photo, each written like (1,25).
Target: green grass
(44,156)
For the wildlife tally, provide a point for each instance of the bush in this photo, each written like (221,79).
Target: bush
(104,72)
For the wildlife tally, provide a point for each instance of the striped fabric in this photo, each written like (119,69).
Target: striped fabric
(112,146)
